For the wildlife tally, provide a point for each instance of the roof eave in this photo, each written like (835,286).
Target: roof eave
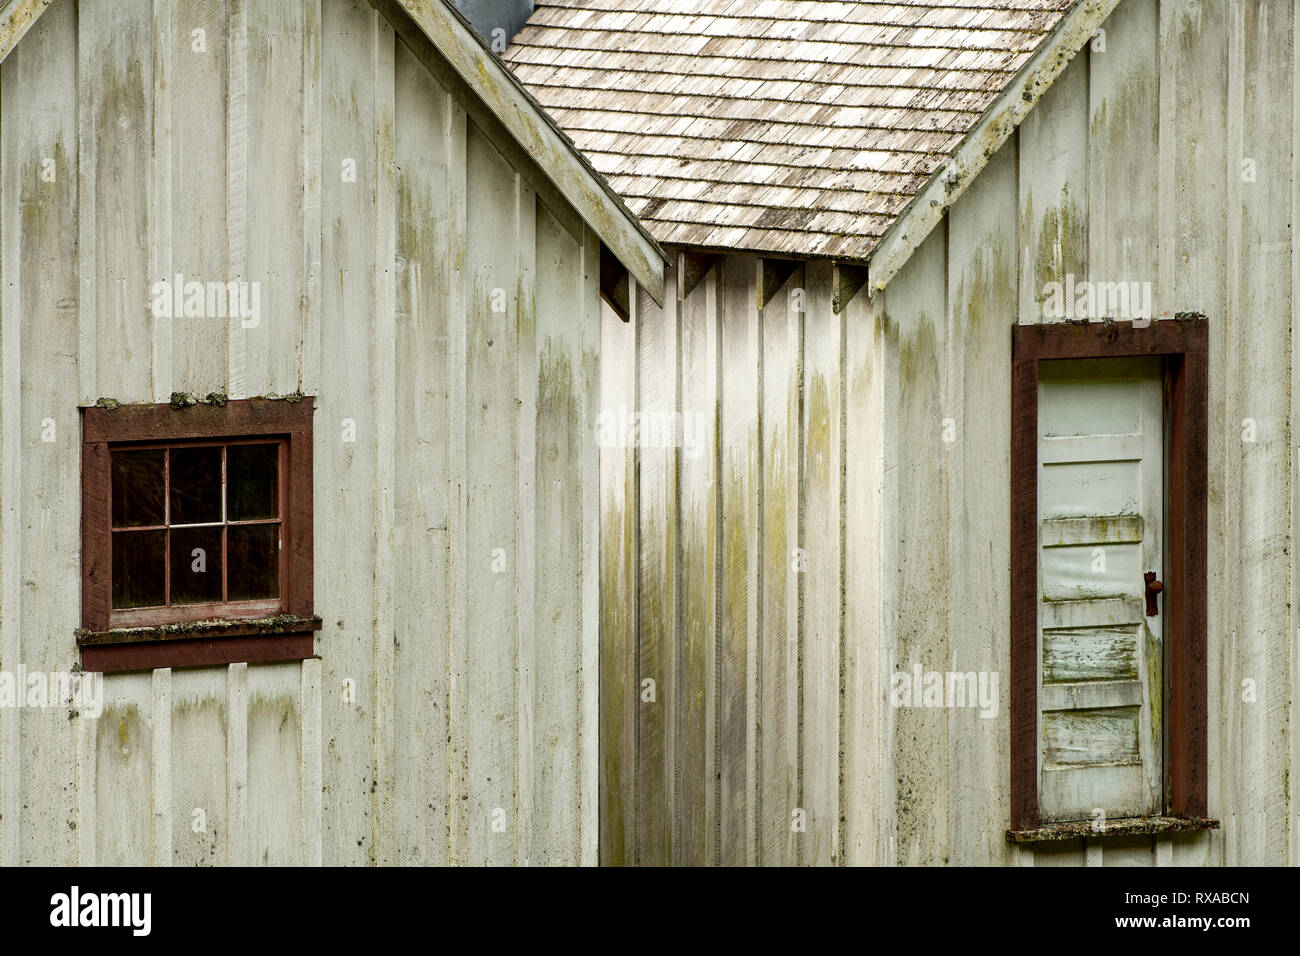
(570,171)
(16,18)
(946,185)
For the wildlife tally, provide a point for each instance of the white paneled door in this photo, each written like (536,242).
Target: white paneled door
(1100,531)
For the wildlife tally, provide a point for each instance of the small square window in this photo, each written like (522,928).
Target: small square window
(196,534)
(213,547)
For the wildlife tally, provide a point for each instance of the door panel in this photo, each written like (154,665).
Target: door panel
(1100,522)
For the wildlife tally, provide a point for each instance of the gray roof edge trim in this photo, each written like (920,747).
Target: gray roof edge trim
(601,207)
(946,185)
(16,18)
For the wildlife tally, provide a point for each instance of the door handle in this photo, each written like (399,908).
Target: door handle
(1154,587)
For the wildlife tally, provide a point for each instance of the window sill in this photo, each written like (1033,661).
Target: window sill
(284,637)
(1120,827)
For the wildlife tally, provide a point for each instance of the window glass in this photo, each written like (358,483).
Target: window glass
(195,524)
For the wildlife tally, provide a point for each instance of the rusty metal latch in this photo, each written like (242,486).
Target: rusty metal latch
(1154,587)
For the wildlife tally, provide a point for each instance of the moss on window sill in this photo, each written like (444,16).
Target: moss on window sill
(214,628)
(1120,827)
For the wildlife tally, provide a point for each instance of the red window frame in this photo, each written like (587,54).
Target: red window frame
(198,634)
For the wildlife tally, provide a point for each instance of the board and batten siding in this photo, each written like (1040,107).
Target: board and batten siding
(443,308)
(1166,157)
(740,573)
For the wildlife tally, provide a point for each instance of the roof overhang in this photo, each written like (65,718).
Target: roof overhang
(16,18)
(919,217)
(559,160)
(521,115)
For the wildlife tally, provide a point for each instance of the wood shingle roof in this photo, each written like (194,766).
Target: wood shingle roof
(796,127)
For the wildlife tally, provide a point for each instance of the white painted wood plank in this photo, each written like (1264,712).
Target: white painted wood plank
(122,100)
(346,433)
(199,760)
(11,499)
(779,796)
(492,468)
(161,725)
(696,741)
(383,377)
(1053,189)
(274,762)
(823,594)
(87,795)
(40,247)
(190,86)
(655,556)
(87,207)
(282,149)
(312,170)
(1293,790)
(1260,77)
(125,781)
(1123,146)
(310,770)
(738,482)
(237,188)
(619,663)
(237,843)
(458,470)
(917,305)
(559,526)
(158,239)
(527,532)
(982,264)
(589,389)
(426,264)
(868,809)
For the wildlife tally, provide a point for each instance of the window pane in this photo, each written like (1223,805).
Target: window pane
(195,485)
(253,569)
(196,565)
(252,482)
(137,488)
(139,568)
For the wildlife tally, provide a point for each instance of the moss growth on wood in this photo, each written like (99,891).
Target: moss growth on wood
(277,624)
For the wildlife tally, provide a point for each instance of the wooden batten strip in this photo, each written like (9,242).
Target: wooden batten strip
(310,772)
(160,717)
(526,519)
(11,514)
(457,503)
(310,307)
(237,762)
(383,360)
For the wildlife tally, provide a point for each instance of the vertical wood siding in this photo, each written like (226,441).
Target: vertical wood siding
(445,302)
(1130,168)
(724,576)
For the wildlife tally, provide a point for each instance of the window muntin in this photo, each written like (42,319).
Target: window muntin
(197,529)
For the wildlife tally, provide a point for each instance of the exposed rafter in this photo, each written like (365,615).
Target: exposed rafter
(692,267)
(771,276)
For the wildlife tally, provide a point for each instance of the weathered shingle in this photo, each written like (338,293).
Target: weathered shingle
(798,127)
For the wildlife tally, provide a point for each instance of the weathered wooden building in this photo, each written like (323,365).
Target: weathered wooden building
(299,316)
(921,447)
